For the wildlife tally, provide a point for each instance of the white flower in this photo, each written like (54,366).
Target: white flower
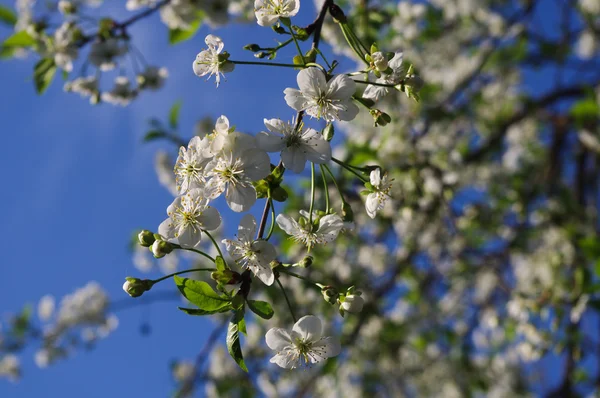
(375,93)
(218,139)
(303,345)
(121,94)
(191,164)
(132,5)
(255,254)
(180,14)
(353,303)
(152,78)
(380,61)
(63,48)
(210,62)
(269,11)
(10,367)
(46,307)
(84,86)
(329,228)
(103,53)
(234,169)
(189,215)
(330,100)
(381,188)
(296,145)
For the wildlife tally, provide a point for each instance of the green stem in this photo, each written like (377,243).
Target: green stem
(351,39)
(350,169)
(195,251)
(325,187)
(312,192)
(287,300)
(266,64)
(297,45)
(323,56)
(305,279)
(272,226)
(214,243)
(335,183)
(182,272)
(376,84)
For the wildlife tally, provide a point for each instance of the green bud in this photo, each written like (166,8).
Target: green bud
(328,132)
(226,277)
(261,55)
(306,262)
(302,221)
(278,29)
(252,47)
(311,55)
(146,238)
(414,82)
(298,60)
(301,33)
(330,294)
(136,287)
(380,118)
(160,248)
(374,48)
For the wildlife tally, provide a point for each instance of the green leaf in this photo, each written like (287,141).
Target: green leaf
(179,35)
(19,39)
(7,15)
(261,308)
(7,52)
(220,263)
(43,74)
(174,114)
(154,135)
(201,294)
(233,339)
(585,112)
(195,311)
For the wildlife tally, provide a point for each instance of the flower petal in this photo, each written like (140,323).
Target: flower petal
(294,159)
(247,228)
(210,219)
(240,198)
(309,328)
(278,339)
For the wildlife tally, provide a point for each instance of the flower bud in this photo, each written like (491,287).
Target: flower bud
(146,238)
(353,303)
(380,61)
(226,277)
(252,47)
(160,248)
(328,132)
(66,7)
(278,29)
(330,294)
(136,287)
(305,263)
(261,55)
(415,82)
(380,118)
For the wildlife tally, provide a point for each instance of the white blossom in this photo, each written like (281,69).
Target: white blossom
(189,215)
(211,61)
(132,5)
(269,11)
(380,194)
(84,86)
(296,145)
(10,367)
(303,232)
(152,78)
(398,73)
(319,98)
(353,303)
(121,94)
(191,164)
(46,307)
(255,254)
(303,345)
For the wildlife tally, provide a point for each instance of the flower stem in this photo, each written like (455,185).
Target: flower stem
(287,300)
(325,187)
(305,279)
(376,84)
(350,169)
(214,243)
(195,251)
(335,183)
(312,193)
(182,272)
(272,227)
(266,64)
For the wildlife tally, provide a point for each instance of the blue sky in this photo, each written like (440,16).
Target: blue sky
(78,181)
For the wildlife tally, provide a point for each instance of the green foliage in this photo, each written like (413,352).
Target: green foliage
(220,263)
(195,311)
(43,74)
(7,16)
(154,135)
(20,39)
(181,35)
(174,115)
(585,112)
(234,347)
(201,294)
(261,308)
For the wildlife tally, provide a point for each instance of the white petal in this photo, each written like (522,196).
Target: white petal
(288,224)
(278,339)
(311,82)
(318,150)
(214,43)
(350,112)
(308,328)
(294,159)
(270,142)
(375,93)
(167,229)
(240,198)
(265,252)
(210,219)
(247,228)
(189,237)
(222,125)
(265,274)
(375,178)
(295,99)
(329,227)
(257,164)
(286,361)
(325,348)
(341,87)
(372,204)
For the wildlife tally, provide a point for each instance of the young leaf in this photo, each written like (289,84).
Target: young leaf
(7,16)
(19,39)
(194,311)
(261,308)
(179,35)
(233,340)
(201,294)
(154,135)
(174,114)
(220,263)
(43,74)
